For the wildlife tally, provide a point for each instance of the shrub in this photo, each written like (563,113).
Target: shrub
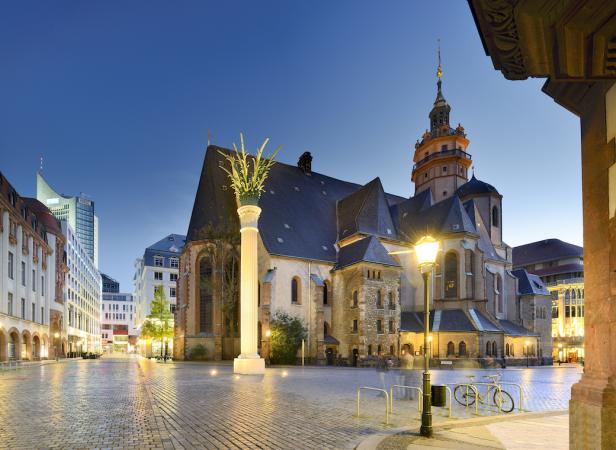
(286,337)
(198,352)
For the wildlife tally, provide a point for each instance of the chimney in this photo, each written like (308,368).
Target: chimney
(305,163)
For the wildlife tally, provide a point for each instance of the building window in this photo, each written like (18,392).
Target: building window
(495,217)
(205,295)
(158,261)
(173,277)
(174,263)
(444,169)
(23,273)
(158,276)
(451,349)
(451,275)
(462,348)
(391,326)
(33,280)
(33,318)
(325,299)
(498,291)
(379,299)
(355,299)
(42,284)
(488,349)
(172,292)
(355,327)
(507,349)
(43,315)
(370,350)
(10,265)
(10,305)
(392,300)
(379,326)
(295,291)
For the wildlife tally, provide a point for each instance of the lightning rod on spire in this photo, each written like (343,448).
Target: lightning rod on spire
(439,71)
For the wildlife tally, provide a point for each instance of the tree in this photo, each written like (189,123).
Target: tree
(159,324)
(287,333)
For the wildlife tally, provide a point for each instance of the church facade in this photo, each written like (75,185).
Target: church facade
(338,256)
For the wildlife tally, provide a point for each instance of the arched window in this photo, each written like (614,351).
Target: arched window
(325,329)
(295,291)
(325,298)
(391,350)
(511,349)
(488,349)
(392,301)
(451,275)
(369,349)
(379,299)
(355,299)
(451,349)
(507,349)
(462,348)
(499,294)
(494,349)
(205,295)
(495,217)
(573,296)
(378,349)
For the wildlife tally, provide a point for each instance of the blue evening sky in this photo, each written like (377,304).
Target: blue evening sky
(119,96)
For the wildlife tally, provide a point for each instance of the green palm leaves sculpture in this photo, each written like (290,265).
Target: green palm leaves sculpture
(247,174)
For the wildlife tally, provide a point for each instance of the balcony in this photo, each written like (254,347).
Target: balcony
(443,153)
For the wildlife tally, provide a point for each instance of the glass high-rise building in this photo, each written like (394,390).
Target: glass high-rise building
(78,211)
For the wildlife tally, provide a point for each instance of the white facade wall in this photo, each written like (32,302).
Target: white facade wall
(83,294)
(146,279)
(33,317)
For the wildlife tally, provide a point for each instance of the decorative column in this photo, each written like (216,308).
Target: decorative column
(249,362)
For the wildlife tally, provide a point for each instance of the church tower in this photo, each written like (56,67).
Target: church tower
(441,161)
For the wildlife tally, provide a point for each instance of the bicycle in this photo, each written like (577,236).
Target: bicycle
(501,399)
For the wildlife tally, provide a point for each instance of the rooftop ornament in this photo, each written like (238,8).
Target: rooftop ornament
(248,175)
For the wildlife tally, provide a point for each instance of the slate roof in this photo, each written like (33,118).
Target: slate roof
(529,284)
(368,249)
(450,320)
(486,323)
(43,215)
(169,246)
(515,330)
(555,270)
(475,187)
(545,250)
(304,215)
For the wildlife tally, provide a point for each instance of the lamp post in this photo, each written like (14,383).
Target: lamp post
(527,344)
(426,250)
(268,333)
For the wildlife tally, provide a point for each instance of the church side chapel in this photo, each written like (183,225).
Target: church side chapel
(336,254)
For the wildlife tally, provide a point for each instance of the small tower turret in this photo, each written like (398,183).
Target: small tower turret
(441,161)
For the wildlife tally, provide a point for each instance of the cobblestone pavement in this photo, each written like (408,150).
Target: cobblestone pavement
(136,403)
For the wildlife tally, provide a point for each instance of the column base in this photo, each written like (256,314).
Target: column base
(249,366)
(592,412)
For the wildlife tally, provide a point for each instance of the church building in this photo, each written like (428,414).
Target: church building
(339,256)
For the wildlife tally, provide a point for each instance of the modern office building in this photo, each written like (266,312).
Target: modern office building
(83,296)
(31,278)
(159,266)
(78,211)
(560,266)
(118,331)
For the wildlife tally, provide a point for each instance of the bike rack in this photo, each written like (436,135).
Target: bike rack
(474,389)
(391,396)
(490,387)
(359,388)
(450,399)
(506,383)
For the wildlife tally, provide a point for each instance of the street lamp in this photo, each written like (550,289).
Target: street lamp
(426,250)
(527,344)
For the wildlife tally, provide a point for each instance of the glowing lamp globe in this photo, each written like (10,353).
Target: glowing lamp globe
(56,335)
(426,250)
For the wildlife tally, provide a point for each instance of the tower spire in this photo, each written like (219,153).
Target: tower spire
(439,70)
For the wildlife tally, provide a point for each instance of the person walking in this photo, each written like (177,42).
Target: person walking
(382,368)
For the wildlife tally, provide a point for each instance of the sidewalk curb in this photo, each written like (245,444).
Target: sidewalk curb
(373,441)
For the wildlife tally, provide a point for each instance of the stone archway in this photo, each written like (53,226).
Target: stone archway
(36,347)
(4,342)
(14,344)
(25,352)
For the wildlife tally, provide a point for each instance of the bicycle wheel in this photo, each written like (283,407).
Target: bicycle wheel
(506,401)
(464,396)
